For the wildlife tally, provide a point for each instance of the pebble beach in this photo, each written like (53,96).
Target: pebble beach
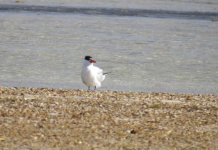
(47,118)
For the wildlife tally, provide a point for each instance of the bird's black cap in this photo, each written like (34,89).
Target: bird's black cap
(88,57)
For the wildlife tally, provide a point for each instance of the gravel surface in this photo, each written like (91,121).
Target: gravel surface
(42,118)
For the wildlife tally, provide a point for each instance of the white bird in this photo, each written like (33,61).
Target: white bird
(91,75)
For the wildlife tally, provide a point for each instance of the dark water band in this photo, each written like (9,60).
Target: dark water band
(113,11)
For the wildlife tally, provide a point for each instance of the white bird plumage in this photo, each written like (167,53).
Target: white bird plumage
(91,75)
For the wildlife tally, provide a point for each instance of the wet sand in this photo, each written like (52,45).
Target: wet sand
(41,118)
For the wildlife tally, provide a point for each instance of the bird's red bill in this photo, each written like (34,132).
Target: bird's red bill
(92,61)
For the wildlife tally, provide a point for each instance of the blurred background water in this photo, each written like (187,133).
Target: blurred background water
(160,54)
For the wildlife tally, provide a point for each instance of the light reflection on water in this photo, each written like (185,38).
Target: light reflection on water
(144,54)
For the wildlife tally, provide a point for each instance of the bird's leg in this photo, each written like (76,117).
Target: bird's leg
(95,88)
(89,88)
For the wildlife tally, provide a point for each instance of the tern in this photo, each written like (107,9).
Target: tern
(91,75)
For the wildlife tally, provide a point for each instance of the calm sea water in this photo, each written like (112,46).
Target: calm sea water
(39,49)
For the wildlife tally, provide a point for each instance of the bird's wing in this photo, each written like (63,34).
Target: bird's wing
(98,70)
(99,74)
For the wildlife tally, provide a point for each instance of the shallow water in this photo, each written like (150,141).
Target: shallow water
(42,49)
(181,5)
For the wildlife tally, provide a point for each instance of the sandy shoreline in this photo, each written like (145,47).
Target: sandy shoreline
(41,118)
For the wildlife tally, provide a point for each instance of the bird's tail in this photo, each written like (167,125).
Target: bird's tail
(106,73)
